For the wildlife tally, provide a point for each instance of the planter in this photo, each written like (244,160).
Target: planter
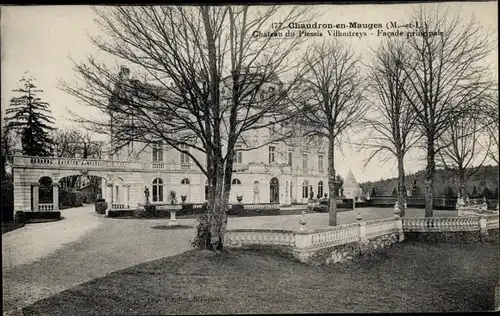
(100,207)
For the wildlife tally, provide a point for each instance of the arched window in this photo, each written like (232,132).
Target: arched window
(305,190)
(320,189)
(236,181)
(185,181)
(157,190)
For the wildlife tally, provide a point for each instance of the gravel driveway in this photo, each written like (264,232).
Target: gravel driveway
(40,260)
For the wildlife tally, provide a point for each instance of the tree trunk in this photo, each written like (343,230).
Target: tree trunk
(401,185)
(332,205)
(461,177)
(216,218)
(429,178)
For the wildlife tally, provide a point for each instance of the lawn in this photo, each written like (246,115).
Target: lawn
(409,277)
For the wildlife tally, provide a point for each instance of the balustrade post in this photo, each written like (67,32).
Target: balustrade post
(34,196)
(55,196)
(362,229)
(482,225)
(303,239)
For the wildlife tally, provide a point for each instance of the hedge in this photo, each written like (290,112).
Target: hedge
(121,213)
(250,210)
(33,217)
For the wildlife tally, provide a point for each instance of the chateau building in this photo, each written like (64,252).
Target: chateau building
(265,171)
(271,172)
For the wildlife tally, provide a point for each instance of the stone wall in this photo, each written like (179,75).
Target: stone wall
(345,252)
(453,237)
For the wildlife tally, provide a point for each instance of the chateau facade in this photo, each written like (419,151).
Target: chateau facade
(277,173)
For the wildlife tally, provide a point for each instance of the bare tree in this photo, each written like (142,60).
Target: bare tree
(489,122)
(66,142)
(72,143)
(461,150)
(334,88)
(391,124)
(446,71)
(203,80)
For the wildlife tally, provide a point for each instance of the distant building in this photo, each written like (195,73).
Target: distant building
(352,190)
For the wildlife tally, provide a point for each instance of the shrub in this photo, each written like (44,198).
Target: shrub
(7,198)
(202,237)
(320,208)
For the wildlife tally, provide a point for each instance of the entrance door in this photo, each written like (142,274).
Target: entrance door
(274,193)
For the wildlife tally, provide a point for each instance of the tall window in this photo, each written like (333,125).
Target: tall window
(320,189)
(157,152)
(304,161)
(320,163)
(157,190)
(272,152)
(238,157)
(236,181)
(206,190)
(305,190)
(184,157)
(290,155)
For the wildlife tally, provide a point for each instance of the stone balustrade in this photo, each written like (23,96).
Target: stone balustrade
(94,164)
(441,224)
(238,238)
(492,221)
(45,207)
(117,206)
(471,210)
(332,235)
(381,227)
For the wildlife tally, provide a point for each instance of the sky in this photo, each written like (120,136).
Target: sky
(42,40)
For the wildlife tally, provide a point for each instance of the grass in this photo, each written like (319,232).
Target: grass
(409,277)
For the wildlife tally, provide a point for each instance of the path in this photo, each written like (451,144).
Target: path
(44,259)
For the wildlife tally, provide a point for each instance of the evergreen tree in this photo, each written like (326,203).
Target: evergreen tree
(374,192)
(30,117)
(474,192)
(487,193)
(449,192)
(394,192)
(496,193)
